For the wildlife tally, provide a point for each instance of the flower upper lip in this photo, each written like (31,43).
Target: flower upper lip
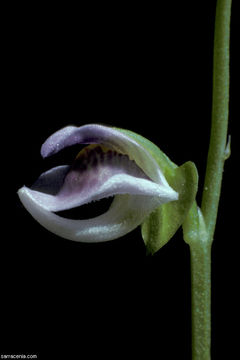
(99,134)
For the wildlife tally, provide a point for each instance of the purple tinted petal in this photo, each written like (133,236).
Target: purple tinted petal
(112,138)
(118,184)
(52,180)
(135,180)
(98,174)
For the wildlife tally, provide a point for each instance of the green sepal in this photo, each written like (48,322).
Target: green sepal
(162,224)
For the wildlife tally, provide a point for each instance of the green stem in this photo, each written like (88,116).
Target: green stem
(195,234)
(199,226)
(201,301)
(217,146)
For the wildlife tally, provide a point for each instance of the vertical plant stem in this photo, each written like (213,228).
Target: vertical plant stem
(220,100)
(201,301)
(199,225)
(195,234)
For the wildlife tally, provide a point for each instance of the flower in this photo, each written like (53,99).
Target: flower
(113,164)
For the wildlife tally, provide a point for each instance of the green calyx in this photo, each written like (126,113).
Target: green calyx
(162,224)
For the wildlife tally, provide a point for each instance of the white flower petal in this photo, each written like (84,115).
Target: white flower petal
(124,215)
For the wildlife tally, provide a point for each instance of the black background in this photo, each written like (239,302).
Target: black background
(140,67)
